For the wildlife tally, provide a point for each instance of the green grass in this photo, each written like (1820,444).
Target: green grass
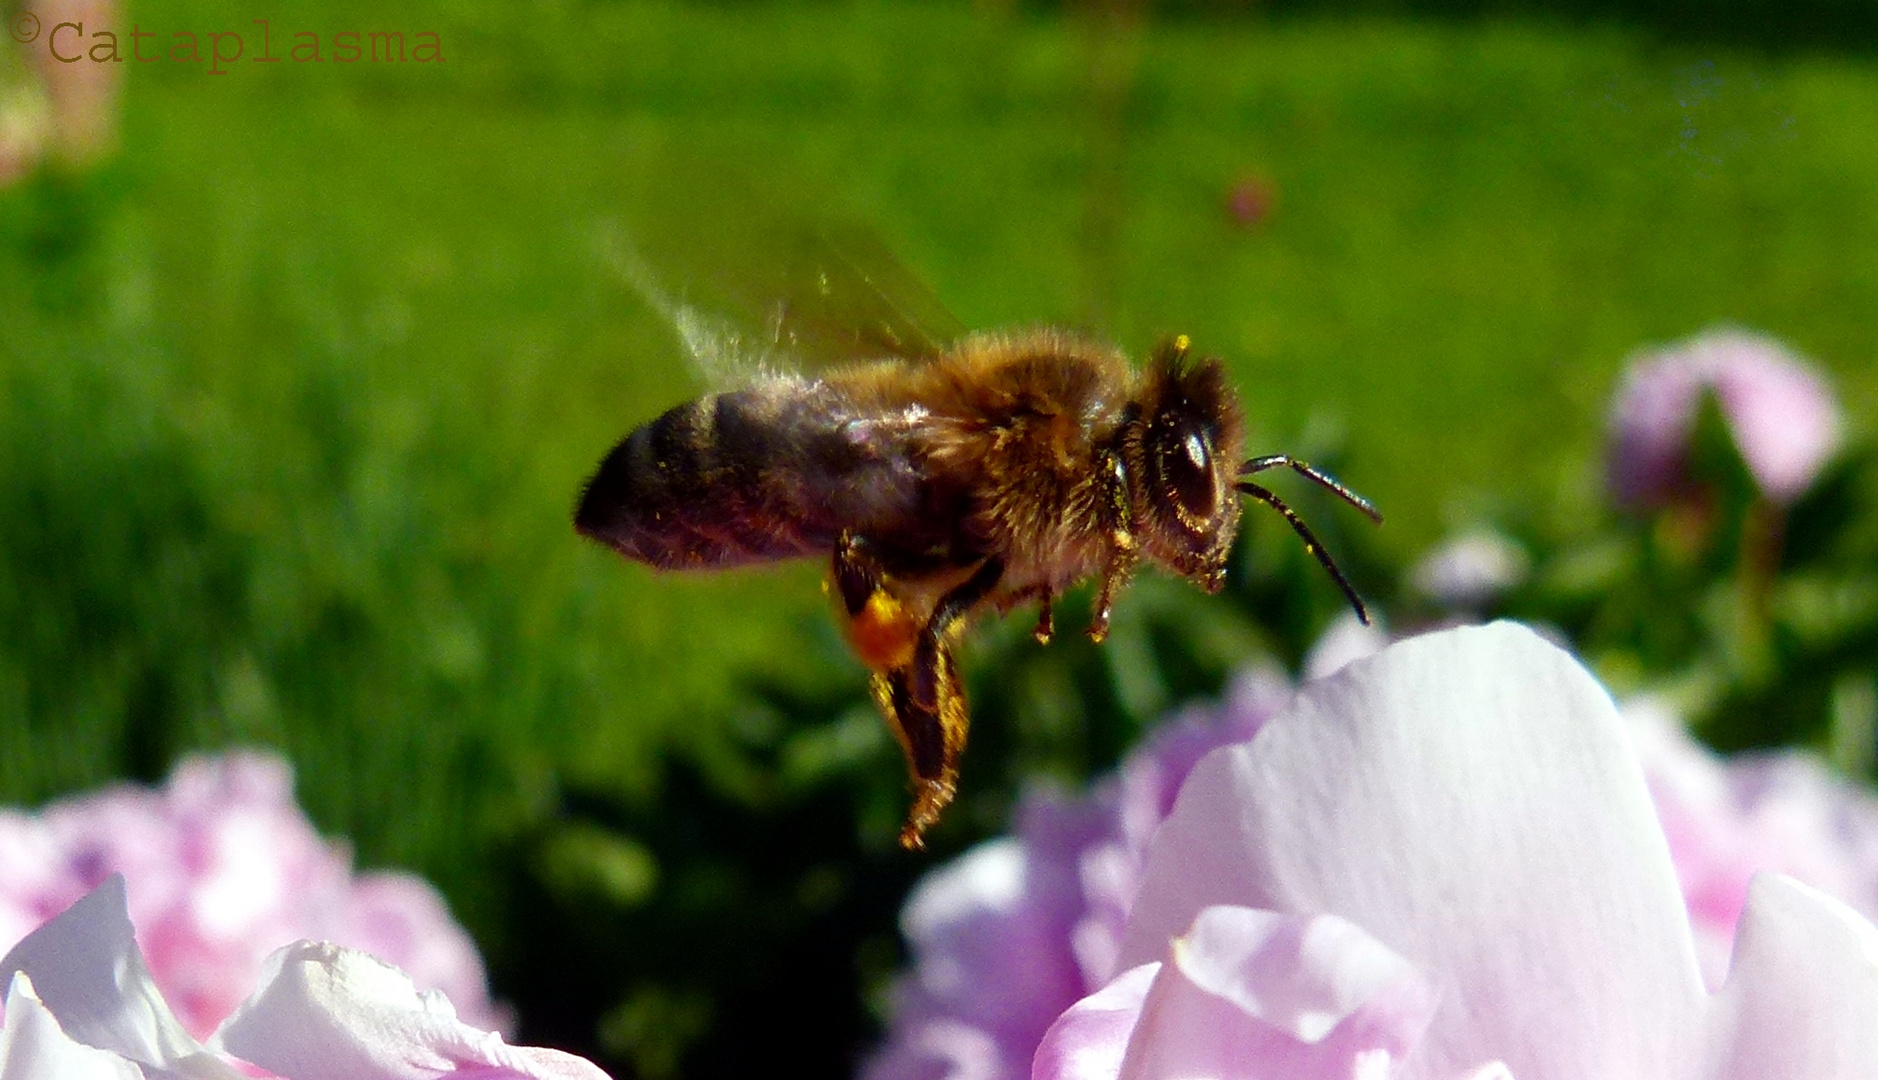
(298,392)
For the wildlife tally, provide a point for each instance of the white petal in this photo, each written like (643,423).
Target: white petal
(1801,998)
(85,966)
(1299,974)
(1468,799)
(34,1047)
(1254,995)
(328,1013)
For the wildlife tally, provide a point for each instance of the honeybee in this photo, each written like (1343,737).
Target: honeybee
(940,482)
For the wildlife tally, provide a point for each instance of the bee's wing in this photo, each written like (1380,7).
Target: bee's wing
(749,285)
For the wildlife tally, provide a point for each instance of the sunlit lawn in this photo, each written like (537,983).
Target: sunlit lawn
(295,413)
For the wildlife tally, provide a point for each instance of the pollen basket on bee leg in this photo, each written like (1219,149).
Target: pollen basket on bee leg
(883,633)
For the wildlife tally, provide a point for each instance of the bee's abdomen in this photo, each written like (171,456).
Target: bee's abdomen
(727,479)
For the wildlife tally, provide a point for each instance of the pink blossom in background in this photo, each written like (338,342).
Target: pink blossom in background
(25,116)
(224,868)
(1030,924)
(1443,862)
(1250,199)
(1016,930)
(1779,409)
(1471,570)
(81,1004)
(1728,819)
(83,95)
(49,108)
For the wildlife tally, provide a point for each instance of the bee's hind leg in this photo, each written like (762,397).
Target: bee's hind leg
(927,652)
(933,739)
(857,573)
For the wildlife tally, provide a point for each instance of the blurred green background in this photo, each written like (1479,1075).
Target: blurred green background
(298,386)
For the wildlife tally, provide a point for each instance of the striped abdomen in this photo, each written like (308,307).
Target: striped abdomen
(770,472)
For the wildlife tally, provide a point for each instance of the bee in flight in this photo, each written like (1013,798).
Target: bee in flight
(939,481)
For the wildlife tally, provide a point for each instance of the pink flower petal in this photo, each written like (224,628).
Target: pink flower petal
(1089,1041)
(1247,995)
(1253,994)
(403,919)
(1728,819)
(224,868)
(38,883)
(996,908)
(1018,930)
(1467,798)
(34,1047)
(85,967)
(1301,975)
(1802,994)
(1780,411)
(328,1013)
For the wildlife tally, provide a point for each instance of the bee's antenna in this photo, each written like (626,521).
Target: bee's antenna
(1311,543)
(1324,480)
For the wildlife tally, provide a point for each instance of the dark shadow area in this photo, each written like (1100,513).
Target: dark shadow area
(1770,25)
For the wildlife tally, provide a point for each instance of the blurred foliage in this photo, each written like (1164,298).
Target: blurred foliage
(1756,622)
(295,396)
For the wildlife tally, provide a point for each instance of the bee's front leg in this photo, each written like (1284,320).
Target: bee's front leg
(1118,518)
(1115,575)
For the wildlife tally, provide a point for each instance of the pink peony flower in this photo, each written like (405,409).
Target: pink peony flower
(1016,930)
(1027,925)
(81,1004)
(1781,413)
(1728,819)
(224,869)
(1443,862)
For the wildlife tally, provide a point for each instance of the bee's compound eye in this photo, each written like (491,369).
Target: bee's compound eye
(1197,455)
(1187,469)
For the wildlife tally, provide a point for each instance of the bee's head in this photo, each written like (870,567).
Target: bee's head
(1181,452)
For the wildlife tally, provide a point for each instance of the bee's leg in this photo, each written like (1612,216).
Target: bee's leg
(1115,575)
(1046,617)
(1122,555)
(857,573)
(1046,620)
(928,653)
(933,739)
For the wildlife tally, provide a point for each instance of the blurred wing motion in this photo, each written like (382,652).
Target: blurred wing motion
(751,288)
(769,465)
